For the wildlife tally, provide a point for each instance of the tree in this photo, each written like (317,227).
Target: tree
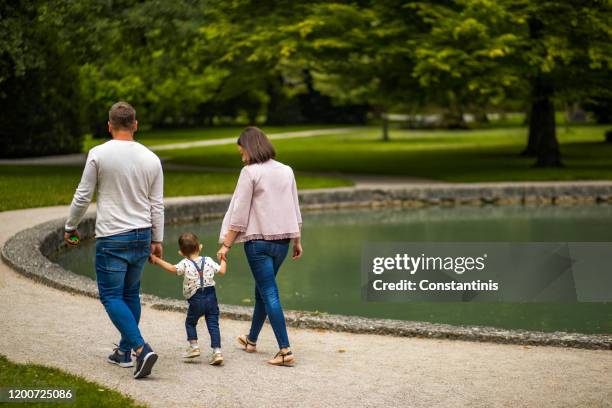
(150,53)
(566,54)
(478,53)
(467,56)
(358,53)
(39,98)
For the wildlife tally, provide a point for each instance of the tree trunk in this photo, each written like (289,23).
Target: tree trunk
(542,124)
(385,128)
(542,138)
(533,136)
(542,141)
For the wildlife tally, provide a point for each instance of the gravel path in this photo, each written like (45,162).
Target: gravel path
(44,325)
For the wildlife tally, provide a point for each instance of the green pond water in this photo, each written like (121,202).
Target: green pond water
(328,279)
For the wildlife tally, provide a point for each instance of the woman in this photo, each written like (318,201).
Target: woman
(264,213)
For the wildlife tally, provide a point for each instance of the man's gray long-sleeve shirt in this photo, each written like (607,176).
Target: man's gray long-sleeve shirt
(129,182)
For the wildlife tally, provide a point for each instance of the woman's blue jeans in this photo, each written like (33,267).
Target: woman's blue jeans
(265,259)
(119,262)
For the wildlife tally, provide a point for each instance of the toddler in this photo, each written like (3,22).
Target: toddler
(199,290)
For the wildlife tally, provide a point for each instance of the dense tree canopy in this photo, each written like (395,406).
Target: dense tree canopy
(200,62)
(39,95)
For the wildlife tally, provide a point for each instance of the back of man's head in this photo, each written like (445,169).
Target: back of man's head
(122,116)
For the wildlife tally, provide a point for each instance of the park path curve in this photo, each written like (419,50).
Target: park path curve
(359,180)
(45,325)
(79,158)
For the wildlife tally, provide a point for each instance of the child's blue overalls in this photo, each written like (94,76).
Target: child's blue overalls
(203,303)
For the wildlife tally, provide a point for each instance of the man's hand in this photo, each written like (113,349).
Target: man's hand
(156,249)
(297,250)
(72,238)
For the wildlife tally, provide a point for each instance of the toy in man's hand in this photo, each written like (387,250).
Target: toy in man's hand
(74,238)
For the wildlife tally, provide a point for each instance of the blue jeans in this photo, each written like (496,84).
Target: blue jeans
(265,259)
(204,303)
(119,262)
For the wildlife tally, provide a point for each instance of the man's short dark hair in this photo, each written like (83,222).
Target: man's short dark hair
(257,145)
(189,243)
(122,116)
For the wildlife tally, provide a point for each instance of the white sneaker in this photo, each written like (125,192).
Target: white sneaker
(191,352)
(216,358)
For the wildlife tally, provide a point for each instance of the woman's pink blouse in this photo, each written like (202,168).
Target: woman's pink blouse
(264,205)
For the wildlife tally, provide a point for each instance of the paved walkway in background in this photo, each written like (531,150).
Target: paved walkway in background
(273,136)
(39,324)
(79,158)
(359,180)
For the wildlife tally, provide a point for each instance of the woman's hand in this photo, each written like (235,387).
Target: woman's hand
(228,240)
(222,253)
(297,250)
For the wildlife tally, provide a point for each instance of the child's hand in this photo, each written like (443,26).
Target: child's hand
(223,266)
(153,259)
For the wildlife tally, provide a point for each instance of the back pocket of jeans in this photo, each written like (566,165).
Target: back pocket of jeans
(112,259)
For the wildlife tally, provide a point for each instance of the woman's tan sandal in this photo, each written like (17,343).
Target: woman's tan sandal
(248,345)
(287,359)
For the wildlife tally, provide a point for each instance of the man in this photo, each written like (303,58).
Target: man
(129,227)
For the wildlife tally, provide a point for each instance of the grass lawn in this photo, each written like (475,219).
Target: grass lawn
(165,136)
(39,186)
(87,394)
(457,156)
(460,156)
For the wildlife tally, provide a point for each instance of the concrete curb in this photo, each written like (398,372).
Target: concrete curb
(28,252)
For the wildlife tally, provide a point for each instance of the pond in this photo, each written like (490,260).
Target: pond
(327,279)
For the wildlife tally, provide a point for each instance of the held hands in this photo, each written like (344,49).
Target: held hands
(222,253)
(297,251)
(157,251)
(154,259)
(72,238)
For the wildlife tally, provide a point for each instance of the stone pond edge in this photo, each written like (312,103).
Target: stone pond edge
(29,250)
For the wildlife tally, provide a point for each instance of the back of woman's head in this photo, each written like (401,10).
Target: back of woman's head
(256,144)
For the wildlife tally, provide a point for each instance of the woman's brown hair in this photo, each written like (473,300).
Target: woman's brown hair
(257,145)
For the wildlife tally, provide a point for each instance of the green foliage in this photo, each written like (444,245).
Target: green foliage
(467,58)
(148,53)
(460,55)
(39,97)
(87,393)
(568,42)
(189,63)
(359,52)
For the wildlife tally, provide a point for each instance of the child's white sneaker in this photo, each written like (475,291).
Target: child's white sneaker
(191,352)
(216,358)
